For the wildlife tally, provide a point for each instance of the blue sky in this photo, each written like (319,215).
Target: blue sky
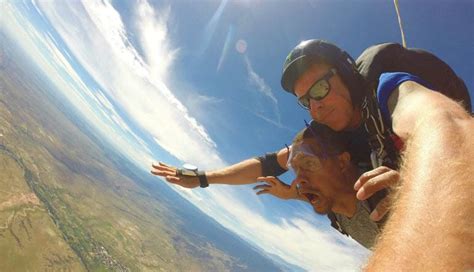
(198,81)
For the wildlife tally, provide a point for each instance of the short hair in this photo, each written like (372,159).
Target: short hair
(326,141)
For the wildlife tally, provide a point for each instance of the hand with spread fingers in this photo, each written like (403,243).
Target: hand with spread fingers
(171,175)
(375,180)
(276,187)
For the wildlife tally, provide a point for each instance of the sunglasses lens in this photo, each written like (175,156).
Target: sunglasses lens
(319,90)
(304,102)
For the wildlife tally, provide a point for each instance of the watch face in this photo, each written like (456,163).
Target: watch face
(189,173)
(190,167)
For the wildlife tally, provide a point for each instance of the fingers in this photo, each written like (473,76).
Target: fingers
(262,189)
(377,183)
(188,183)
(163,170)
(268,179)
(162,165)
(381,209)
(262,186)
(262,192)
(173,179)
(370,174)
(163,173)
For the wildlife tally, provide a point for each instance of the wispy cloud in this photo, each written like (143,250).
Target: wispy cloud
(296,239)
(211,28)
(262,87)
(94,32)
(225,49)
(155,40)
(136,82)
(46,52)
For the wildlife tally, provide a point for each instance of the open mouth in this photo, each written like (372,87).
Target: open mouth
(313,198)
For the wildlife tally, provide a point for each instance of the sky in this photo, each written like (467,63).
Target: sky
(199,82)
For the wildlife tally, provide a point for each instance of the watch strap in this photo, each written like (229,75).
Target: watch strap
(203,183)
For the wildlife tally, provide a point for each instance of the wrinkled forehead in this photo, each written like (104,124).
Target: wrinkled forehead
(303,163)
(311,146)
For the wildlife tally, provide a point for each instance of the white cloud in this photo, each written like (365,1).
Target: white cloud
(225,48)
(211,26)
(137,85)
(263,88)
(44,52)
(154,39)
(95,33)
(259,82)
(295,240)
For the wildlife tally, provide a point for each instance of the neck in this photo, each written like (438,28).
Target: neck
(356,119)
(346,204)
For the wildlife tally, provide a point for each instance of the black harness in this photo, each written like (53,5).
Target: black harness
(383,151)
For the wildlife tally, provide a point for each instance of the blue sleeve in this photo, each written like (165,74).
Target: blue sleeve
(388,82)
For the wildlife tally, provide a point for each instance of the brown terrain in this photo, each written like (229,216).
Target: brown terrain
(66,205)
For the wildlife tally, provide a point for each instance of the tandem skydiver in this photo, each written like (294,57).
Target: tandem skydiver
(393,99)
(325,177)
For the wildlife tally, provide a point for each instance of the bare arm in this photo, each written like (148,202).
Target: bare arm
(431,227)
(244,172)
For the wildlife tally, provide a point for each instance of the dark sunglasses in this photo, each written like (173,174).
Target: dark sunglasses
(318,91)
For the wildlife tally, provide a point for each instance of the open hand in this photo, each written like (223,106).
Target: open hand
(375,180)
(169,173)
(272,185)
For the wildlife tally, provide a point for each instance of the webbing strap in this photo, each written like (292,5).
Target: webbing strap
(395,2)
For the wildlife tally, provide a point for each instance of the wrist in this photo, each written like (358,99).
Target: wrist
(189,170)
(203,181)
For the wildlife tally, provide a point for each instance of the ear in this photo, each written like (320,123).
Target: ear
(344,160)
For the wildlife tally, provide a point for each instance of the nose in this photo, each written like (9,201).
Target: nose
(315,108)
(300,182)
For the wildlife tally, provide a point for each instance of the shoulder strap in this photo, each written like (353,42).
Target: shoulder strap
(335,224)
(383,151)
(381,143)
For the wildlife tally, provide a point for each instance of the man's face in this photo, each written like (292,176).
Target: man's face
(319,180)
(335,110)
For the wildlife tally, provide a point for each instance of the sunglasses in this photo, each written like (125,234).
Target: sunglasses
(318,91)
(304,148)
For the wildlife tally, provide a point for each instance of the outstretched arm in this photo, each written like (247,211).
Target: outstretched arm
(244,172)
(431,226)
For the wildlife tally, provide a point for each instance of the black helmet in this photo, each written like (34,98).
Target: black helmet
(314,51)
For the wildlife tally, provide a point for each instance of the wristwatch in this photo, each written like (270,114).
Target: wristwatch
(190,170)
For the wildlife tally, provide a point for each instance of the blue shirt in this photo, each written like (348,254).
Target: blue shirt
(388,82)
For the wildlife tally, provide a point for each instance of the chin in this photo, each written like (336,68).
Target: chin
(320,210)
(336,126)
(339,125)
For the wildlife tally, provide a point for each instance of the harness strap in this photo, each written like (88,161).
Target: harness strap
(380,136)
(381,143)
(335,223)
